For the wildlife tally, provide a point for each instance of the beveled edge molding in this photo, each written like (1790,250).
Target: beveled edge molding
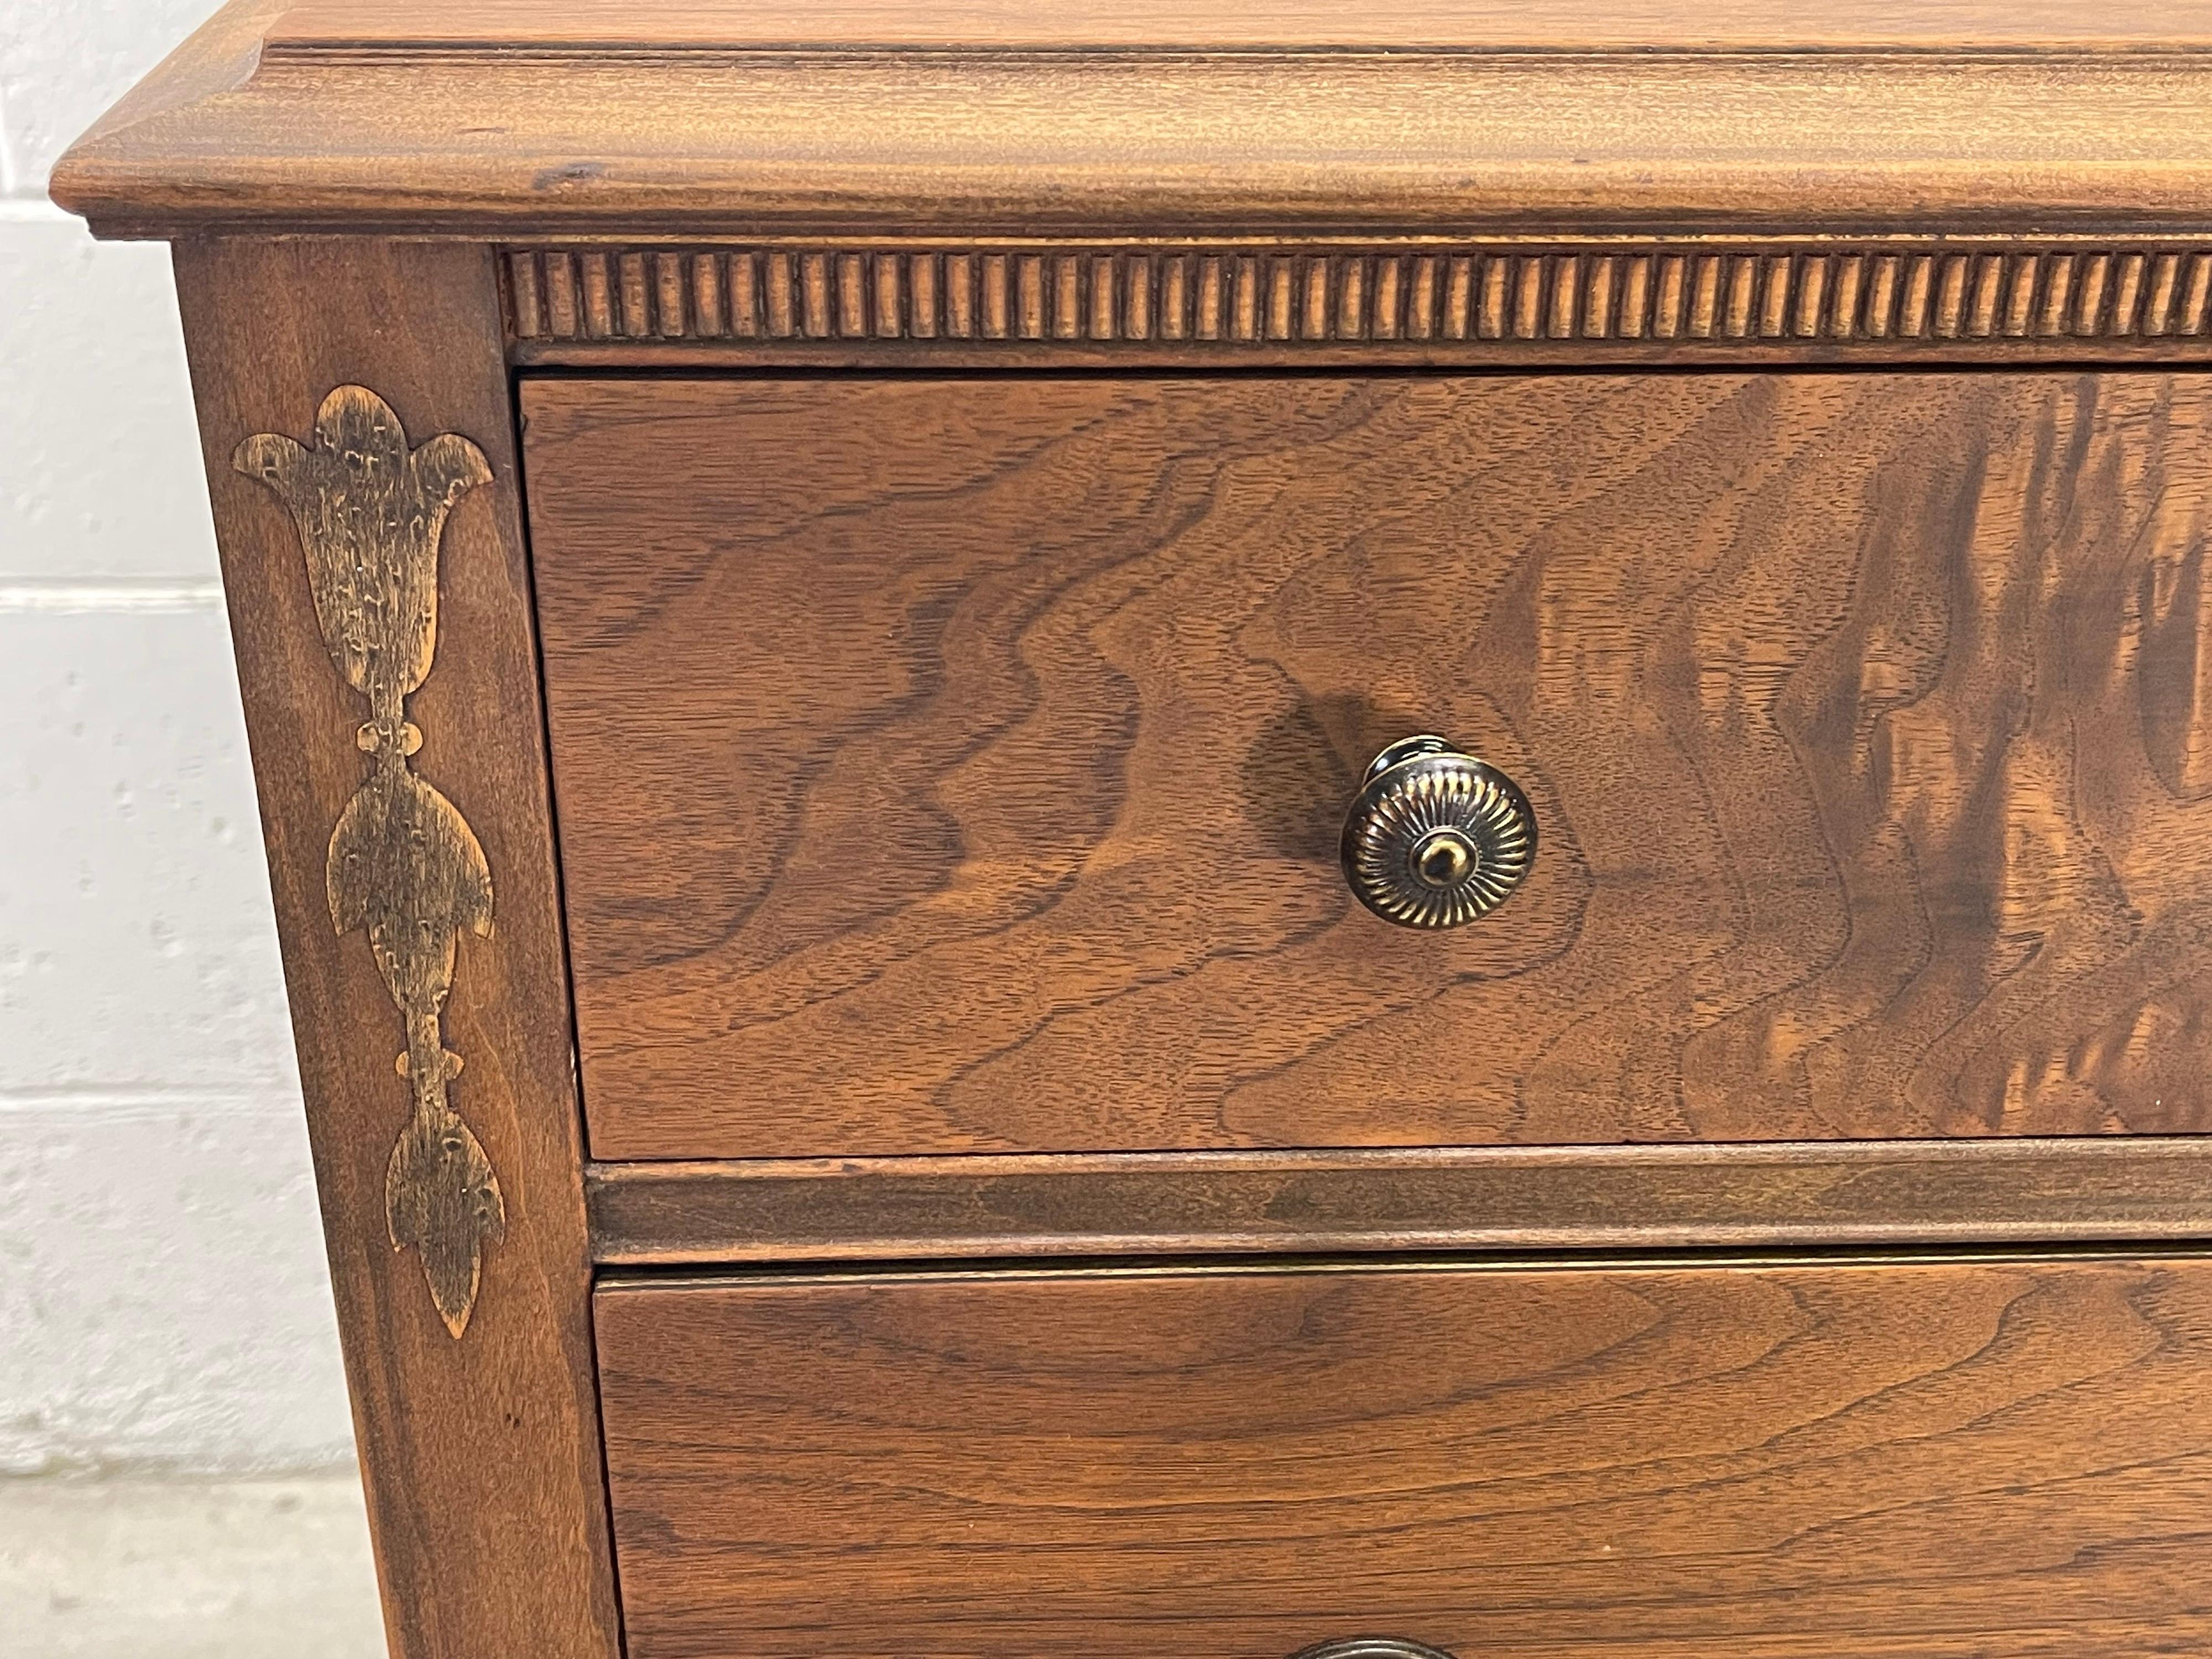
(1694,292)
(1775,1195)
(404,866)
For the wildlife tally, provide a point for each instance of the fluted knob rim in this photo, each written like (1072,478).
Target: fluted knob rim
(1436,837)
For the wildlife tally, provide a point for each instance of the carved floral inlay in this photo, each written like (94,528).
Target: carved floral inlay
(404,866)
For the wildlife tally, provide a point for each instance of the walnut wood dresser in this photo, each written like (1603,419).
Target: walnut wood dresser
(1205,830)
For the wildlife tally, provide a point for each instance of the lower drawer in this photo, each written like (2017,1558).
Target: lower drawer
(2007,1458)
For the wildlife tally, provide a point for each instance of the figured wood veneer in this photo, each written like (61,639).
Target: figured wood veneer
(958,765)
(1951,1459)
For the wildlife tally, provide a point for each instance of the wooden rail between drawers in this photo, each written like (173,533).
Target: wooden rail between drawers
(1886,1192)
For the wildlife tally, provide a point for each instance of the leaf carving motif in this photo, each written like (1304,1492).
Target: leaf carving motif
(404,867)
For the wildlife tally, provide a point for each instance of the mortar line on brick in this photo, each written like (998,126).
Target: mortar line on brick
(120,595)
(245,1098)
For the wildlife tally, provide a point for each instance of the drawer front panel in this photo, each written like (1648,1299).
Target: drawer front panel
(2005,1459)
(958,765)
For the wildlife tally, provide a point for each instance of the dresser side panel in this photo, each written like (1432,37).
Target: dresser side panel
(473,1393)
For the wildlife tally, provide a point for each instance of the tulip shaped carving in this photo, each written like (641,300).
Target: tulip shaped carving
(404,867)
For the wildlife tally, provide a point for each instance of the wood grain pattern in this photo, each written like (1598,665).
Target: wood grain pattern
(1886,298)
(482,1457)
(1944,1460)
(1884,1193)
(1978,119)
(957,766)
(612,26)
(1370,1647)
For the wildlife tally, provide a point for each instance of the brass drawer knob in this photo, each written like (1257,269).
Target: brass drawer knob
(1370,1647)
(1435,837)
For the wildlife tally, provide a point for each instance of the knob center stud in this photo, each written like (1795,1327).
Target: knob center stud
(1442,858)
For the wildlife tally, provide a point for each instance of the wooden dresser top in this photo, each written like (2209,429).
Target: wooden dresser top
(1234,25)
(1014,116)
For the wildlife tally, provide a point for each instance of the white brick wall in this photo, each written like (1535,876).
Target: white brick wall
(163,1302)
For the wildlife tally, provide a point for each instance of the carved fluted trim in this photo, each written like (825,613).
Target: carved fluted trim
(1779,293)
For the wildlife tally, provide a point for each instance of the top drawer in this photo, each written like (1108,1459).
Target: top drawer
(959,764)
